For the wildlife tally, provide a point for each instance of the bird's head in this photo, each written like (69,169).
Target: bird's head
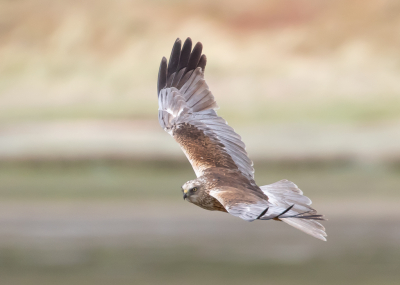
(192,190)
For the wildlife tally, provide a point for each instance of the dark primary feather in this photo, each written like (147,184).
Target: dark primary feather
(174,58)
(191,65)
(162,75)
(182,62)
(185,54)
(194,57)
(202,62)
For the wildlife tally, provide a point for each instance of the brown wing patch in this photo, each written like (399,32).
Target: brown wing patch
(202,151)
(232,196)
(208,202)
(240,203)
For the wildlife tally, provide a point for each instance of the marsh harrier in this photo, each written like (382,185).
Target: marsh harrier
(225,174)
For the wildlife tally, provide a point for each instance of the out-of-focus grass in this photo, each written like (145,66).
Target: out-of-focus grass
(115,110)
(162,180)
(146,244)
(252,112)
(321,111)
(184,265)
(91,180)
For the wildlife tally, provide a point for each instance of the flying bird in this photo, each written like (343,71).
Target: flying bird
(225,174)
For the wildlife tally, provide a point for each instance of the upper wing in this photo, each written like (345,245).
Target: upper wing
(187,112)
(250,206)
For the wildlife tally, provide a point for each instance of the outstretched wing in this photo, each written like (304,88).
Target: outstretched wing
(187,112)
(250,206)
(294,210)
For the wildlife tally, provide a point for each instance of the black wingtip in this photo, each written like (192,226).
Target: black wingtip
(198,45)
(182,61)
(162,75)
(194,57)
(185,54)
(174,58)
(202,62)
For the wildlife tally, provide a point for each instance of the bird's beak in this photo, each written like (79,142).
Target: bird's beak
(184,194)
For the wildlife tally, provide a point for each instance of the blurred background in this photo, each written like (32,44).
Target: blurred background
(90,184)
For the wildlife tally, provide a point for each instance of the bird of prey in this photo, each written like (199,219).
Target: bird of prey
(225,174)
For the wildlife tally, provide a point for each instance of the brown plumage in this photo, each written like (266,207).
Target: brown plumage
(209,155)
(225,174)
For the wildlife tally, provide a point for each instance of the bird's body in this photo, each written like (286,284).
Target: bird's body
(216,178)
(225,174)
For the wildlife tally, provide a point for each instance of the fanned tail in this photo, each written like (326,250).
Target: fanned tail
(286,194)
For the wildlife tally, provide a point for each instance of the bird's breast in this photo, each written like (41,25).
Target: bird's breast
(209,203)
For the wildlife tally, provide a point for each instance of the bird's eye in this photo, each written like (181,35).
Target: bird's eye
(194,189)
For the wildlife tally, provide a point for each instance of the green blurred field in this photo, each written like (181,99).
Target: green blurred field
(182,265)
(125,222)
(162,180)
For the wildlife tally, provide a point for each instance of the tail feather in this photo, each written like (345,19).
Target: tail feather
(311,227)
(285,193)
